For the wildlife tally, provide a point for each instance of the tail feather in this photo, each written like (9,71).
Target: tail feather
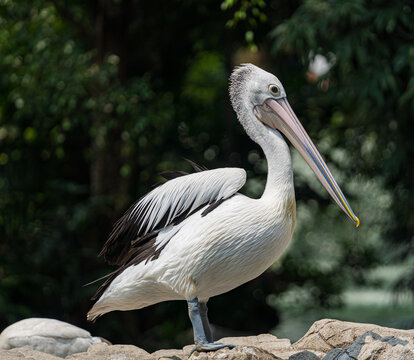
(97,311)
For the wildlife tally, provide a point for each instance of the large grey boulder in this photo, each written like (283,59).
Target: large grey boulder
(47,336)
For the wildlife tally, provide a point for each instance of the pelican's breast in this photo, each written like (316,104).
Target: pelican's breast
(231,245)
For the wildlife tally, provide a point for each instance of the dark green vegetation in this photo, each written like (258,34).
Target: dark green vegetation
(97,98)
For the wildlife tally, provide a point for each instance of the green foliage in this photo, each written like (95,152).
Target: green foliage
(249,12)
(205,78)
(60,107)
(370,83)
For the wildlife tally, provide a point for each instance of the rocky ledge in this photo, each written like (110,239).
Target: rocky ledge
(326,339)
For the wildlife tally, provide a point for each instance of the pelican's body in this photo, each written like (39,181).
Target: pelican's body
(210,261)
(208,255)
(195,237)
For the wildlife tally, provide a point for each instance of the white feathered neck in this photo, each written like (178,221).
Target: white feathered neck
(275,148)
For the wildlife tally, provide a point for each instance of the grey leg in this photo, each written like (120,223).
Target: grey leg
(202,307)
(193,312)
(203,342)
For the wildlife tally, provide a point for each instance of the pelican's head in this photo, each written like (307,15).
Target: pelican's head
(255,91)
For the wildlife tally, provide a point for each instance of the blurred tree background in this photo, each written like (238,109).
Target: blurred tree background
(98,97)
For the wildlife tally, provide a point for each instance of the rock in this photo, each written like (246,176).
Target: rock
(267,342)
(281,348)
(371,346)
(48,336)
(304,355)
(25,354)
(171,354)
(238,353)
(326,340)
(104,351)
(327,334)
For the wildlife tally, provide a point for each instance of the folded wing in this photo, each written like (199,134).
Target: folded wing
(170,203)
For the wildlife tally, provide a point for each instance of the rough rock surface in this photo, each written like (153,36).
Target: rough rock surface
(240,352)
(170,354)
(267,342)
(48,336)
(327,334)
(370,345)
(326,340)
(111,352)
(25,354)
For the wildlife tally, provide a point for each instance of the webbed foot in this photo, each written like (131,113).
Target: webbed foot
(204,347)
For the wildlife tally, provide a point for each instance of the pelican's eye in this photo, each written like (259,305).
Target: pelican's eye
(274,90)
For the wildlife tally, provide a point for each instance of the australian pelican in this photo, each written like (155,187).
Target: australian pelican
(195,236)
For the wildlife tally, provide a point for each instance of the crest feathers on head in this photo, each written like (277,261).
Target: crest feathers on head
(239,76)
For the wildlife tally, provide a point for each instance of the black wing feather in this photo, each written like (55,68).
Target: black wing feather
(124,232)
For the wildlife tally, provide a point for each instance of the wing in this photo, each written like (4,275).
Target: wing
(169,203)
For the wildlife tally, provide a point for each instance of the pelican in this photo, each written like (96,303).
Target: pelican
(195,236)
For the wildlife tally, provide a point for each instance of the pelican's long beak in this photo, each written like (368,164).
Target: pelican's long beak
(278,115)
